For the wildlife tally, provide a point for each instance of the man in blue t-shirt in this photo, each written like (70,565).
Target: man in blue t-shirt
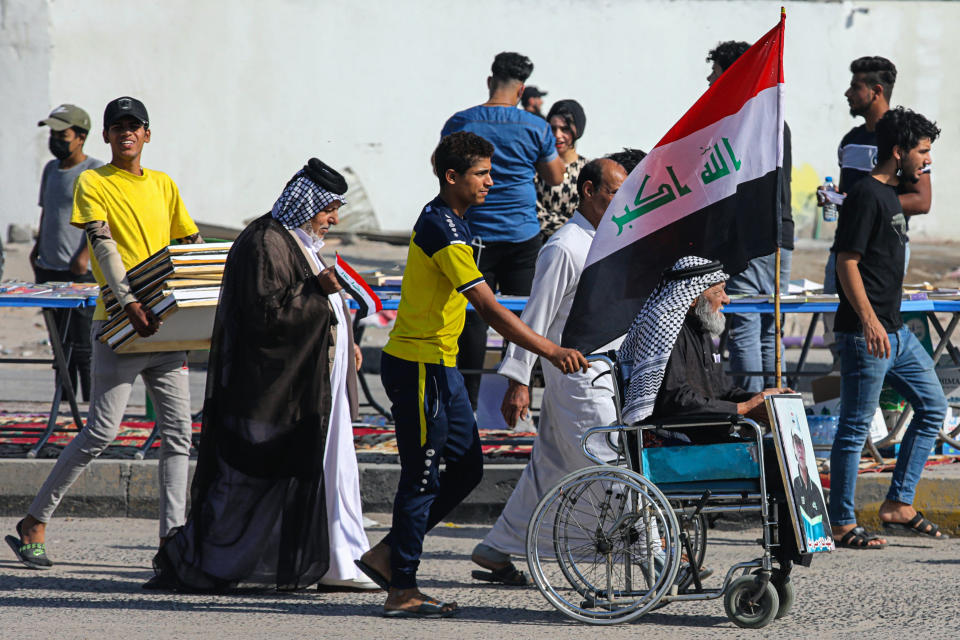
(505,228)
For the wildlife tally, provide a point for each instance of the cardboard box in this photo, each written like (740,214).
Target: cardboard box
(826,388)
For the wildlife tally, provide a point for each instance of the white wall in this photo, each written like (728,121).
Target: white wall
(240,94)
(24,100)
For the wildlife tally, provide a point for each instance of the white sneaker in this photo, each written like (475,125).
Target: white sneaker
(351,584)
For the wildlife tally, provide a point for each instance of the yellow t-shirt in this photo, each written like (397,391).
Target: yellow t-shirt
(439,269)
(144,213)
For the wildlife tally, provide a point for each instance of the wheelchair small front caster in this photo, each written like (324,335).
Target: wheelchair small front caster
(781,581)
(785,592)
(746,607)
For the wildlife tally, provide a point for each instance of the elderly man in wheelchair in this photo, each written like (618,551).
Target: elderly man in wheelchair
(611,542)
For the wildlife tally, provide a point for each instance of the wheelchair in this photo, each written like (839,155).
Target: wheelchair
(612,542)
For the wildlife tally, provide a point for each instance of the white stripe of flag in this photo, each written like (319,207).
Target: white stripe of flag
(358,289)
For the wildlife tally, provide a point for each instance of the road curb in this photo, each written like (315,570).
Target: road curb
(128,488)
(938,497)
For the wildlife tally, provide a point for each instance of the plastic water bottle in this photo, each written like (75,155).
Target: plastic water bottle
(829,208)
(830,432)
(813,424)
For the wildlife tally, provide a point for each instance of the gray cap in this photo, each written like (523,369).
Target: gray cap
(66,116)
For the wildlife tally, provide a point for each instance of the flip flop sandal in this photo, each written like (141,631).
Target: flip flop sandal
(373,574)
(858,538)
(918,526)
(33,554)
(508,575)
(428,609)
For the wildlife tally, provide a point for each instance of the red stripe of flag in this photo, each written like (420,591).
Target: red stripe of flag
(684,211)
(357,287)
(759,68)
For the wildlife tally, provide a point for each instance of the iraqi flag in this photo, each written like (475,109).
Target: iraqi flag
(367,301)
(709,188)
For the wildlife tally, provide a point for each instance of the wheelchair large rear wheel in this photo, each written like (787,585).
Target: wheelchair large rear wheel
(603,545)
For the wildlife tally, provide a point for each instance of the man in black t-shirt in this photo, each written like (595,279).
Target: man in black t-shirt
(874,344)
(868,96)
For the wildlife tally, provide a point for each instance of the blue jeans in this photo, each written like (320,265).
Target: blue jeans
(752,341)
(909,370)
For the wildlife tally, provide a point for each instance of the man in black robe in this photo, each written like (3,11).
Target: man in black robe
(258,510)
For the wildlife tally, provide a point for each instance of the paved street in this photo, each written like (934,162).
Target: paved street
(909,590)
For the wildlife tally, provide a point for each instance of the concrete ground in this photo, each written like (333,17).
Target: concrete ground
(907,590)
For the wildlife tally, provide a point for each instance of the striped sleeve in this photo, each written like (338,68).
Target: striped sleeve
(455,261)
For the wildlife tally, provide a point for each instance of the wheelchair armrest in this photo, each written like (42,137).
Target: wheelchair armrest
(693,420)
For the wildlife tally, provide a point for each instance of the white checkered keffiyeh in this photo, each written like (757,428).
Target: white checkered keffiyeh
(301,200)
(650,340)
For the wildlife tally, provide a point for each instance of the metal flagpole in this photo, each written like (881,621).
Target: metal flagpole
(776,288)
(776,312)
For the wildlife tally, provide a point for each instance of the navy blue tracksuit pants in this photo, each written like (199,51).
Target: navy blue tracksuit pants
(434,421)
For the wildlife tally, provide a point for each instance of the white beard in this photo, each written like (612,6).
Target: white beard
(712,321)
(307,228)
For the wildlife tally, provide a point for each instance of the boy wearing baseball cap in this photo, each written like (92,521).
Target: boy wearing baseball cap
(128,213)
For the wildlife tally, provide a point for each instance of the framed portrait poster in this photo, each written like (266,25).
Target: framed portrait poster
(808,509)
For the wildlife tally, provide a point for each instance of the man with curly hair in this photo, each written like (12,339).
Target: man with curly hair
(505,227)
(722,56)
(874,344)
(752,339)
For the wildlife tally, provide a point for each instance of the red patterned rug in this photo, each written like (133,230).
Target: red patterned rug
(20,431)
(374,436)
(26,429)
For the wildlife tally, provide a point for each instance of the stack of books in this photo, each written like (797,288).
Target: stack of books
(181,285)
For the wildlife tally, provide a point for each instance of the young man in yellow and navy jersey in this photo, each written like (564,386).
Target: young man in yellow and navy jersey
(430,406)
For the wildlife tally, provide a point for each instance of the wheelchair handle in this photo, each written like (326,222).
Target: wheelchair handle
(609,431)
(592,431)
(601,357)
